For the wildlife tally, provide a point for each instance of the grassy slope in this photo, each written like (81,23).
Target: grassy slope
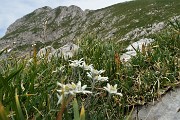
(145,78)
(137,10)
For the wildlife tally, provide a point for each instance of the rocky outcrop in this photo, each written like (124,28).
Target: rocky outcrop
(44,25)
(67,51)
(134,47)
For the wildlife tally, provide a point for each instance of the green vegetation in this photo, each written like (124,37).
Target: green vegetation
(28,90)
(124,17)
(36,30)
(15,33)
(145,11)
(57,12)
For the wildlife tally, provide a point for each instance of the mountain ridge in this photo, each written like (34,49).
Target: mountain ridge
(63,24)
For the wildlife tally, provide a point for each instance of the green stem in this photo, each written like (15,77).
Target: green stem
(93,85)
(63,107)
(109,97)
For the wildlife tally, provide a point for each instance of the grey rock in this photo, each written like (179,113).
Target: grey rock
(167,108)
(67,51)
(44,52)
(131,49)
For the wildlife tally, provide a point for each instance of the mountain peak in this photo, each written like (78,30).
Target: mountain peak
(40,10)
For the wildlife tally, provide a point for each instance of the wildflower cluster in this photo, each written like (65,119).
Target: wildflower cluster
(71,89)
(95,75)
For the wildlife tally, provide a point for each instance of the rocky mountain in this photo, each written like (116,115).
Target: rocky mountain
(120,22)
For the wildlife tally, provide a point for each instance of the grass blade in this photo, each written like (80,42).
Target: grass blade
(3,115)
(19,110)
(82,114)
(76,110)
(13,74)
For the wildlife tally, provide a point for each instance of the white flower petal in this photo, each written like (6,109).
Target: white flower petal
(101,71)
(84,92)
(120,94)
(84,87)
(115,86)
(89,75)
(72,92)
(76,63)
(79,84)
(108,86)
(59,84)
(60,91)
(112,89)
(102,78)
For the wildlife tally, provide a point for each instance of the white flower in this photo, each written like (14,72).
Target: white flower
(96,72)
(85,66)
(80,89)
(112,89)
(64,88)
(99,78)
(95,75)
(76,63)
(72,89)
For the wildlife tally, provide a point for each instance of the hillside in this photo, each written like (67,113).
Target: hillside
(121,60)
(123,21)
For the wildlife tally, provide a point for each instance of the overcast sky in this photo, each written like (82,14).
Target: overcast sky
(11,10)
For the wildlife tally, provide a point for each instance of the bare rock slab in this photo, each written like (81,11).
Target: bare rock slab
(167,108)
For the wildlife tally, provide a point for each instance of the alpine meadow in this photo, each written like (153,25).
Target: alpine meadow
(69,64)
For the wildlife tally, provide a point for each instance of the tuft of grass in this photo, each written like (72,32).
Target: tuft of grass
(28,89)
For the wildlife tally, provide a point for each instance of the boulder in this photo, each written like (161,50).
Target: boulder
(45,51)
(69,50)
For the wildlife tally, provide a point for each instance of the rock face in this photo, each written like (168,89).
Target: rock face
(124,21)
(167,108)
(44,25)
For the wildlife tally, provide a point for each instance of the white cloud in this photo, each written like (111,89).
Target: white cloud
(15,9)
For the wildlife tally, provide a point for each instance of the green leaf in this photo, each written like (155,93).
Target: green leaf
(82,114)
(19,110)
(3,115)
(130,114)
(76,110)
(1,81)
(1,52)
(13,74)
